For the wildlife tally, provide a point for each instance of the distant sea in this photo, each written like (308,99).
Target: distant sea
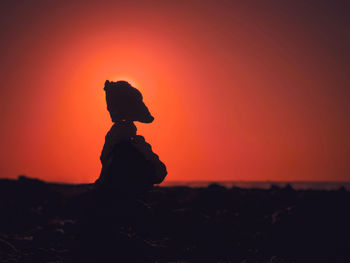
(298,185)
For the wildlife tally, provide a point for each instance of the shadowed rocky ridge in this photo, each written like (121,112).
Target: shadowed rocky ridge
(42,222)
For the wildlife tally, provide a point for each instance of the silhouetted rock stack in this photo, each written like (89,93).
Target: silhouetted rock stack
(128,162)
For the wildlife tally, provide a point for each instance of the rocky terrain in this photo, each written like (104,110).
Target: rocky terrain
(43,222)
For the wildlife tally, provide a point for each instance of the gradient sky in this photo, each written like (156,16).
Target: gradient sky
(240,90)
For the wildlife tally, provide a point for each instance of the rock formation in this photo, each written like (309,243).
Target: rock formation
(128,163)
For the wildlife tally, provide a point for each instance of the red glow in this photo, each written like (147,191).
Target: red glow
(236,94)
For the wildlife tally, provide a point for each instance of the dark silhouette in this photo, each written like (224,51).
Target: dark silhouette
(38,223)
(128,162)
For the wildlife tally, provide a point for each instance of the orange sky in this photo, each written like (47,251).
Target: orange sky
(239,91)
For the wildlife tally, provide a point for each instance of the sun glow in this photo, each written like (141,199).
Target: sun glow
(230,100)
(124,77)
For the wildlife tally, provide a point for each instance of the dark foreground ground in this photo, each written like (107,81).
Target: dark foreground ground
(42,222)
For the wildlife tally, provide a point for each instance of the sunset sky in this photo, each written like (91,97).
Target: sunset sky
(240,90)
